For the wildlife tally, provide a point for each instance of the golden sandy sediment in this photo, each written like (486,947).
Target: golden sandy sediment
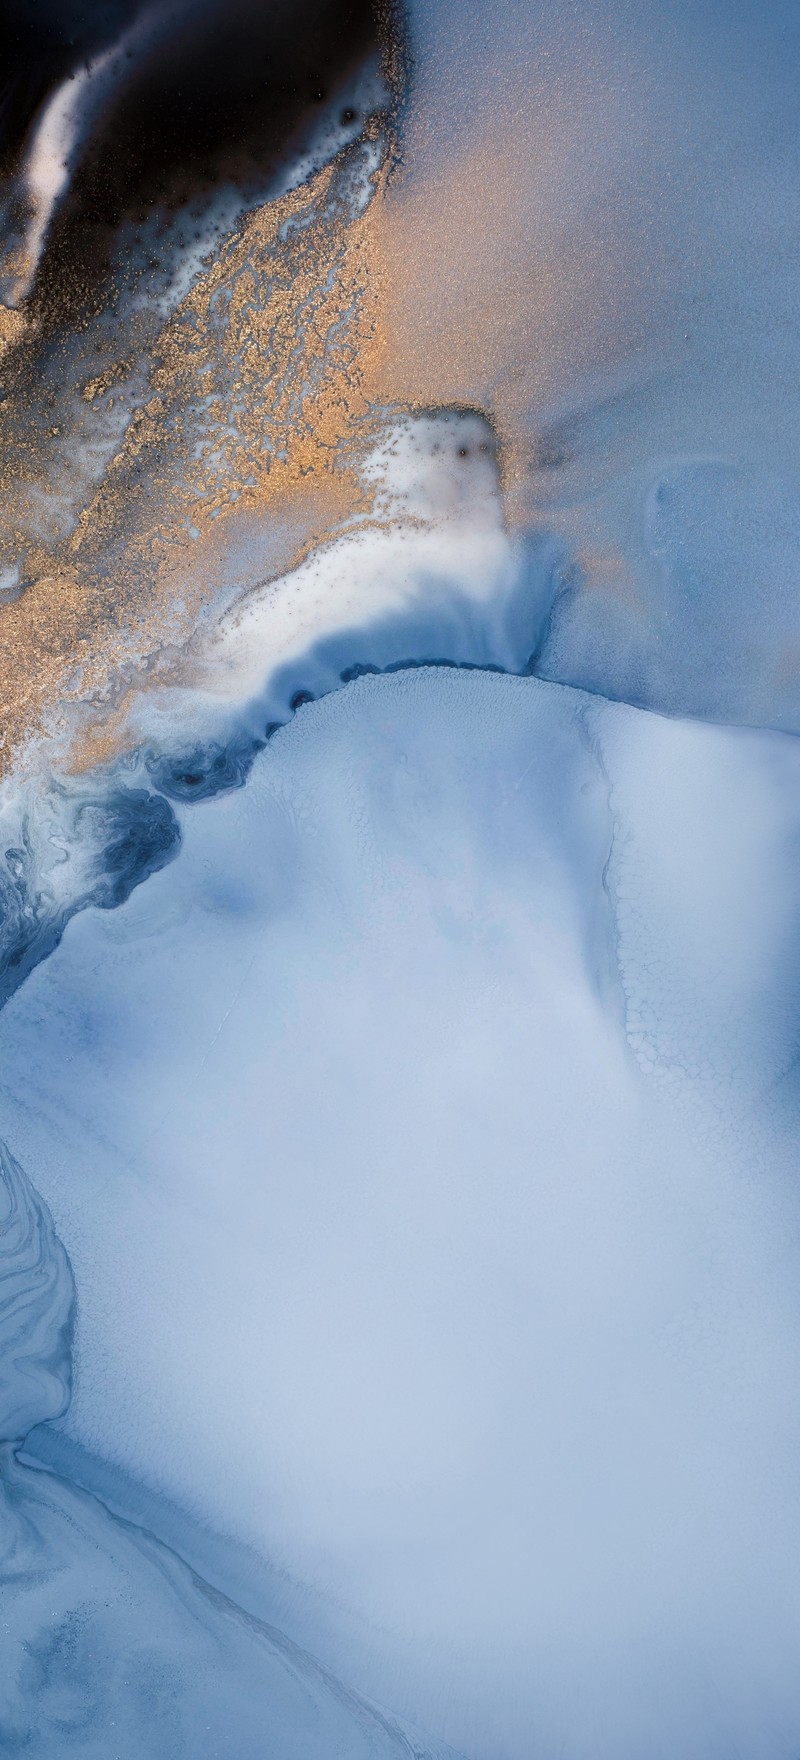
(246,447)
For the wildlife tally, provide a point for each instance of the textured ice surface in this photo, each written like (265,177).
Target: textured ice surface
(422,1140)
(36,1309)
(112,1645)
(413,1086)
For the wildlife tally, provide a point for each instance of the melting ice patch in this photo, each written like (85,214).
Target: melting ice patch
(499,1338)
(421,1139)
(430,575)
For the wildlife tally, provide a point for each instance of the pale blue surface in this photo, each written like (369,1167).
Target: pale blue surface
(417,1113)
(422,1139)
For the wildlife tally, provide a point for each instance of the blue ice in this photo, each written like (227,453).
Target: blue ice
(112,1645)
(422,1140)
